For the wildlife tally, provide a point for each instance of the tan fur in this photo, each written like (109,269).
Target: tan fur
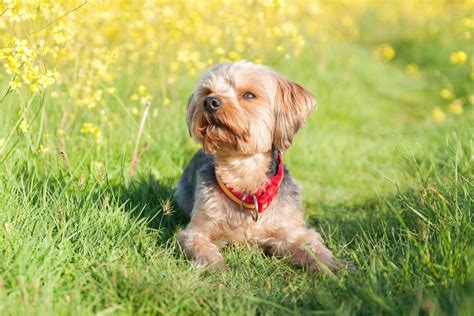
(240,137)
(294,106)
(244,173)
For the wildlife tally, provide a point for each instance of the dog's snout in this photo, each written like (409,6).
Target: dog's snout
(212,104)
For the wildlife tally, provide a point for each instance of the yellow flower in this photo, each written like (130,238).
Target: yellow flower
(458,58)
(89,128)
(61,33)
(446,94)
(386,51)
(5,53)
(219,51)
(142,90)
(166,101)
(35,88)
(42,149)
(111,90)
(469,23)
(48,78)
(12,66)
(15,83)
(456,107)
(24,126)
(438,114)
(233,55)
(60,132)
(411,68)
(22,51)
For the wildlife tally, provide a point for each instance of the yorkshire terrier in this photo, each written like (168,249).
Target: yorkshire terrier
(237,189)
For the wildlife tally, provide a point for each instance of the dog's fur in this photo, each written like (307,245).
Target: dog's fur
(240,144)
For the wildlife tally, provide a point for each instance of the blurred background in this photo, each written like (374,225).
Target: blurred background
(80,74)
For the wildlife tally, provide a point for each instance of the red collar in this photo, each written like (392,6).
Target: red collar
(260,199)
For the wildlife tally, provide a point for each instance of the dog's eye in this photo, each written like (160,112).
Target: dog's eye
(248,95)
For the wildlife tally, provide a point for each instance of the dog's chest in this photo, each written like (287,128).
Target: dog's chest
(246,230)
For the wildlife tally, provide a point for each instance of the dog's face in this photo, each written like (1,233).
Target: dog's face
(245,108)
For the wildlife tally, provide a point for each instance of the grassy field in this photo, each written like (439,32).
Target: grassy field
(388,184)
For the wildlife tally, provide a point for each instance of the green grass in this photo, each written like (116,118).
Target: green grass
(388,188)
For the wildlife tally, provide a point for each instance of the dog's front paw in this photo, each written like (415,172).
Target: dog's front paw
(217,264)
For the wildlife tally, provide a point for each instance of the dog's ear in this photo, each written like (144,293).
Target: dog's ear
(293,106)
(190,113)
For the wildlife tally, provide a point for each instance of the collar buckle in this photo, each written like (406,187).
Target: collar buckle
(255,211)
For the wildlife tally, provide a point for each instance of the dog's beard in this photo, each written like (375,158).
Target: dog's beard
(227,128)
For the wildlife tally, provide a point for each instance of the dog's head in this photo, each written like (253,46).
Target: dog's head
(246,108)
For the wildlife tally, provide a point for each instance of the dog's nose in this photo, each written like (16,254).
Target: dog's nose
(212,104)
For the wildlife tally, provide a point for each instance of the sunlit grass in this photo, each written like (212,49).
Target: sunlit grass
(385,162)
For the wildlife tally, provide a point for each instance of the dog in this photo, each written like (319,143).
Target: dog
(236,188)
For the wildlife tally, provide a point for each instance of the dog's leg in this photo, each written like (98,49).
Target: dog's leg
(305,247)
(198,246)
(308,250)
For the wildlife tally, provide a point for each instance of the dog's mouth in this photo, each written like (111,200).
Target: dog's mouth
(213,126)
(207,123)
(212,121)
(217,131)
